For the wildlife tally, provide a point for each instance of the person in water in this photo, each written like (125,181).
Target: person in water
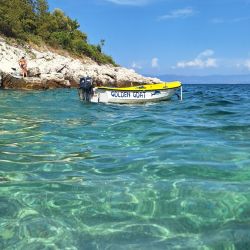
(23,66)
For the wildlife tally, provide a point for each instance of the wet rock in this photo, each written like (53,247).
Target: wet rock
(53,84)
(33,83)
(28,83)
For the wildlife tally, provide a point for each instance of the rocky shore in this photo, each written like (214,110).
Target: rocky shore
(49,70)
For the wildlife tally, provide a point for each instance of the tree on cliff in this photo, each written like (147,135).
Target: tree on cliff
(17,18)
(31,21)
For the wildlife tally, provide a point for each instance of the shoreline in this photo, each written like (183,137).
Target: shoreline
(47,69)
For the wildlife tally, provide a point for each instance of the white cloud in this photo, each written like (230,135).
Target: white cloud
(180,13)
(241,64)
(136,65)
(245,64)
(155,62)
(206,53)
(130,2)
(203,60)
(233,20)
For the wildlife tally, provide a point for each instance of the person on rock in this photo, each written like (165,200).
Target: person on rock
(23,66)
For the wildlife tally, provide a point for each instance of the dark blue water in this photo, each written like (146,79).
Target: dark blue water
(170,175)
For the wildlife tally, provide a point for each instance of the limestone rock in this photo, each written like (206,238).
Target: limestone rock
(51,70)
(34,72)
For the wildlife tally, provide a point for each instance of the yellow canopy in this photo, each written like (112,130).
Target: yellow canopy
(148,87)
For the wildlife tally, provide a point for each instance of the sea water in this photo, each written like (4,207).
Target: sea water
(169,175)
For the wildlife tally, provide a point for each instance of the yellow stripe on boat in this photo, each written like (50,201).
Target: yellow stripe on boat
(148,87)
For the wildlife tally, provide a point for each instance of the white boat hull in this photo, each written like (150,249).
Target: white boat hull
(130,97)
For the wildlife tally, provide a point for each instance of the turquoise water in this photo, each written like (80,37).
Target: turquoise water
(170,175)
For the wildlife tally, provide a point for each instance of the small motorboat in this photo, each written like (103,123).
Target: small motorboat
(128,95)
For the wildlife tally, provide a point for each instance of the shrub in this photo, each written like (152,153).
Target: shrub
(30,20)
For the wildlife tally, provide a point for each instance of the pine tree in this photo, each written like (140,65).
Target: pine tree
(30,20)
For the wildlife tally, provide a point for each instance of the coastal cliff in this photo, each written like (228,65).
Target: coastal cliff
(49,69)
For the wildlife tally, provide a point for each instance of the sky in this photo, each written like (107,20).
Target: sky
(160,37)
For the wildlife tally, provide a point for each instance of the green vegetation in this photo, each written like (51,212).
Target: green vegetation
(31,21)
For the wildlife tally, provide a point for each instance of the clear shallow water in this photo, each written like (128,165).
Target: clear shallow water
(170,175)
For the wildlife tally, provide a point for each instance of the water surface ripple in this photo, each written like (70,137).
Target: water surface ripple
(170,175)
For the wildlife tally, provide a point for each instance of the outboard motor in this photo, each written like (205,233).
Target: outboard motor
(86,89)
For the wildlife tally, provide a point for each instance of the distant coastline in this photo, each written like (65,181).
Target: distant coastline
(208,79)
